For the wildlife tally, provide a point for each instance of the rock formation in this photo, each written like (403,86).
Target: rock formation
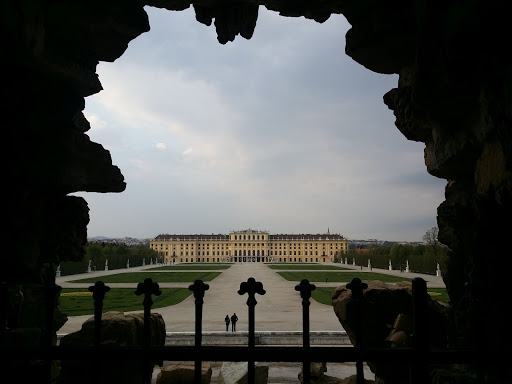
(454,94)
(183,374)
(382,305)
(236,373)
(117,329)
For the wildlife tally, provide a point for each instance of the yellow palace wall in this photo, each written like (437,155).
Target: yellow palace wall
(249,246)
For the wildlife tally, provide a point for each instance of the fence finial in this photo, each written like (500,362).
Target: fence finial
(251,286)
(305,289)
(357,287)
(199,289)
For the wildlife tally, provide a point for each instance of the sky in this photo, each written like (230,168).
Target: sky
(282,132)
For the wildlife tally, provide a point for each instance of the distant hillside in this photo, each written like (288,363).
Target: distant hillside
(129,241)
(98,238)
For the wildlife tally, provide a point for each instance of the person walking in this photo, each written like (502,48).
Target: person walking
(226,319)
(234,319)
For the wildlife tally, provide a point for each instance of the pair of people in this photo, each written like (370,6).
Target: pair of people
(233,320)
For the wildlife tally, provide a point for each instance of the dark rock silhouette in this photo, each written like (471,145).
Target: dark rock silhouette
(454,94)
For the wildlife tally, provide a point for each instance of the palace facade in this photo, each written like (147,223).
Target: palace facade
(249,246)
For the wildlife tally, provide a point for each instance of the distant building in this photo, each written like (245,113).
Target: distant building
(249,246)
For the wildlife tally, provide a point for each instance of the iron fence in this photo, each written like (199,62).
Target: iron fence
(417,357)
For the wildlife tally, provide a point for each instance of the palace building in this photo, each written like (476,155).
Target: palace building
(249,246)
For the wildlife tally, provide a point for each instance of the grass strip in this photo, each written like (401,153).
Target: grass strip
(77,302)
(194,267)
(323,294)
(304,267)
(340,277)
(158,277)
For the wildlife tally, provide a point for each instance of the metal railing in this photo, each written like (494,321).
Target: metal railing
(418,357)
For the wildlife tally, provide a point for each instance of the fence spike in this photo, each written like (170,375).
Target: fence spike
(357,287)
(251,287)
(147,289)
(98,294)
(305,289)
(199,288)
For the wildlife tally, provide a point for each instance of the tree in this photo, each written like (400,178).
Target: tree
(398,254)
(430,237)
(96,254)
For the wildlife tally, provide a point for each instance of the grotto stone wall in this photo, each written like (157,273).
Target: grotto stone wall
(454,94)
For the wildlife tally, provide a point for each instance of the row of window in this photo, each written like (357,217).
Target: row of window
(250,259)
(254,237)
(247,253)
(252,245)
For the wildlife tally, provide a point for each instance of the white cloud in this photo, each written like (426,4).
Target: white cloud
(282,132)
(96,123)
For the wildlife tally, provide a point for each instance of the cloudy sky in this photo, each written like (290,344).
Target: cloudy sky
(282,132)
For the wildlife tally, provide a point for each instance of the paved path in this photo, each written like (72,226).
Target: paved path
(280,309)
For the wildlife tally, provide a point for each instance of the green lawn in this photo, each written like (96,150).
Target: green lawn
(323,294)
(340,277)
(195,267)
(438,294)
(158,277)
(306,267)
(76,302)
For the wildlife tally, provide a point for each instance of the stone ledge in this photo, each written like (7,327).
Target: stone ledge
(261,338)
(318,338)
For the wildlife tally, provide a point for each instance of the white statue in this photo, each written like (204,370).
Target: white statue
(89,267)
(390,267)
(438,272)
(57,273)
(128,263)
(407,266)
(106,265)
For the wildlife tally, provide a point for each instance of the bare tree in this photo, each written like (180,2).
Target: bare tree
(430,237)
